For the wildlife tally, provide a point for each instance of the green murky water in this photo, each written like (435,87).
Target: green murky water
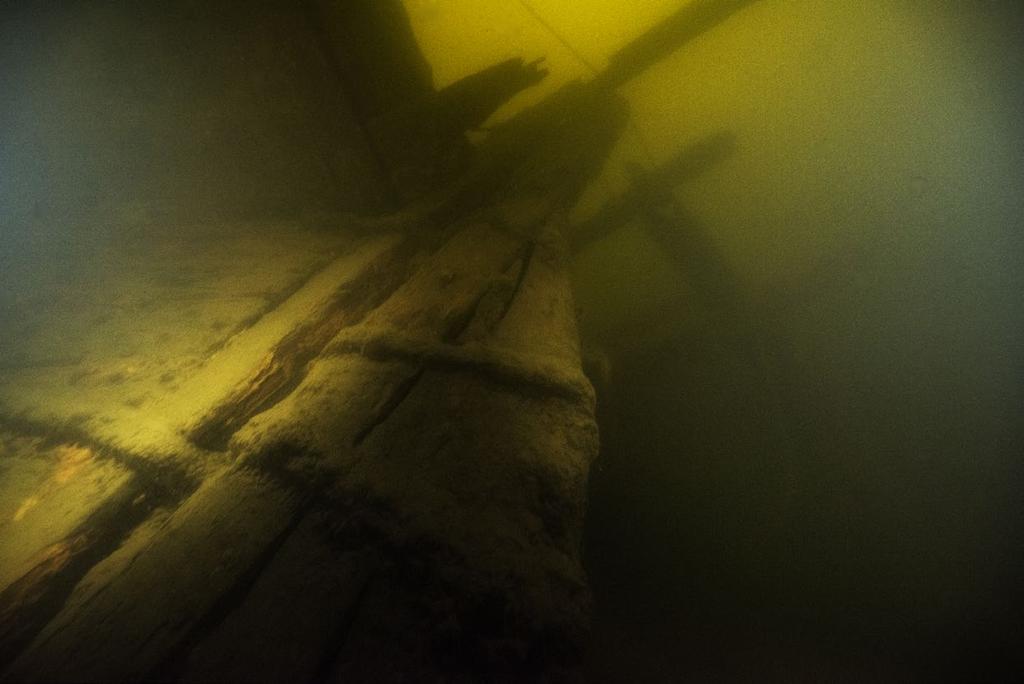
(832,492)
(808,352)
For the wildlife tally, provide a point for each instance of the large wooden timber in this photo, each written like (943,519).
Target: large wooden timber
(367,464)
(406,502)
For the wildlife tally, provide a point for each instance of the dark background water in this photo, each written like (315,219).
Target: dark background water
(831,493)
(837,499)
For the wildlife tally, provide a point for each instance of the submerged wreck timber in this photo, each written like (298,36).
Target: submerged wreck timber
(356,452)
(326,533)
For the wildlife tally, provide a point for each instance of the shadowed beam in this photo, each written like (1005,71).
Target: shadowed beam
(467,103)
(619,211)
(664,38)
(688,244)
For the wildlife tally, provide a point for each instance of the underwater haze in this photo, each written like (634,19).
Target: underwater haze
(832,493)
(798,278)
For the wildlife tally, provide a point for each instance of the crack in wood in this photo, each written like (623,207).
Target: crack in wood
(336,644)
(537,377)
(529,251)
(284,368)
(31,602)
(399,394)
(171,666)
(487,311)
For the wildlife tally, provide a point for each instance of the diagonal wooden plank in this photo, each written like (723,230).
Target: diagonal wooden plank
(130,613)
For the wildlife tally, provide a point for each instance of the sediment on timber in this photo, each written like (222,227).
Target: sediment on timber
(336,429)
